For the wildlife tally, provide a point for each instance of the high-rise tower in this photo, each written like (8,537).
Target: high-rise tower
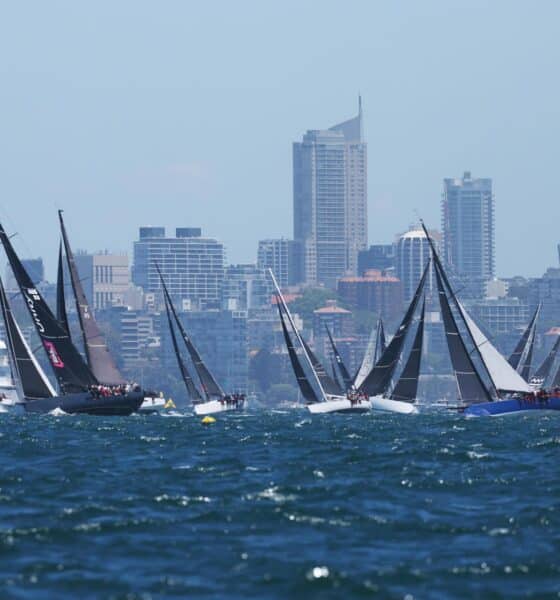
(330,200)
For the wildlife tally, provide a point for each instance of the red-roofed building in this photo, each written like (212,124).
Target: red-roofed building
(382,294)
(338,319)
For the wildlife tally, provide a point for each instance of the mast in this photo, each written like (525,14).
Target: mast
(31,382)
(406,389)
(340,363)
(99,360)
(61,314)
(380,376)
(192,390)
(305,387)
(209,384)
(70,370)
(297,334)
(470,385)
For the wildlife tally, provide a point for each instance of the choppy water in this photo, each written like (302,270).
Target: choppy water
(272,505)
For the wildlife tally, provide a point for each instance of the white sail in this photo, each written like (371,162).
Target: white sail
(504,376)
(368,360)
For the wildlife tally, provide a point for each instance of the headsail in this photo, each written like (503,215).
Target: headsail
(71,371)
(209,384)
(100,361)
(379,378)
(192,390)
(381,343)
(522,356)
(61,314)
(31,381)
(305,387)
(541,374)
(406,389)
(371,355)
(335,376)
(471,386)
(347,380)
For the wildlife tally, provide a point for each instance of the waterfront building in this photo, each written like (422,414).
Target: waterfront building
(468,231)
(246,287)
(105,278)
(330,201)
(193,266)
(283,257)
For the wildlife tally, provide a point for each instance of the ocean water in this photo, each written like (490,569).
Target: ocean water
(280,505)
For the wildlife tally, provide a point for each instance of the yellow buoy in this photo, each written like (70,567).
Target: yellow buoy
(208,420)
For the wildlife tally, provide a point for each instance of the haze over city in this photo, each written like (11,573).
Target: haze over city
(184,114)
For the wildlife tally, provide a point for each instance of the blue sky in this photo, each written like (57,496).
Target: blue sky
(183,113)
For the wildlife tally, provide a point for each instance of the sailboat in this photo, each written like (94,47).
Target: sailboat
(315,390)
(375,347)
(214,400)
(491,387)
(522,356)
(347,383)
(79,388)
(541,375)
(378,384)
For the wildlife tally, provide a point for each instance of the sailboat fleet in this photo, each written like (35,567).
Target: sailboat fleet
(386,380)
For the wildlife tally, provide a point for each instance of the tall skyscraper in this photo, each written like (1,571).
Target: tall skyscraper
(330,200)
(468,231)
(193,266)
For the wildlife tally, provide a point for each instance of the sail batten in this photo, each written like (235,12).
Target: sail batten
(98,357)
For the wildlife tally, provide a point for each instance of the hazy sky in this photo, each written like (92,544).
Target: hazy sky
(129,113)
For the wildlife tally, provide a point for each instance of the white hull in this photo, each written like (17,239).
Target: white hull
(394,406)
(339,405)
(215,406)
(151,405)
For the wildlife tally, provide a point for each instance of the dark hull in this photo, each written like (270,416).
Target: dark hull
(511,406)
(86,403)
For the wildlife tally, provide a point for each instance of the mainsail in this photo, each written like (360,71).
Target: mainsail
(209,384)
(406,389)
(374,349)
(60,299)
(541,374)
(305,387)
(381,343)
(71,371)
(192,390)
(31,381)
(379,378)
(99,360)
(471,386)
(327,382)
(520,358)
(347,380)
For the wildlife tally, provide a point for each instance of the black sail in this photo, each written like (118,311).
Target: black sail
(335,374)
(522,356)
(406,389)
(61,314)
(327,382)
(192,390)
(471,387)
(100,361)
(340,363)
(31,379)
(209,384)
(381,345)
(305,387)
(542,373)
(379,379)
(71,372)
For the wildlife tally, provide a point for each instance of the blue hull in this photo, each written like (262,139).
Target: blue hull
(507,407)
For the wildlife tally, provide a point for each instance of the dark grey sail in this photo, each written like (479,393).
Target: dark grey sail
(406,389)
(347,380)
(381,344)
(26,371)
(71,372)
(542,373)
(100,361)
(305,387)
(334,374)
(327,382)
(379,379)
(61,314)
(522,355)
(556,380)
(192,390)
(471,387)
(209,384)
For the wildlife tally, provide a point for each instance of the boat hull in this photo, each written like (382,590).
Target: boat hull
(215,406)
(152,405)
(379,403)
(339,405)
(511,406)
(86,403)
